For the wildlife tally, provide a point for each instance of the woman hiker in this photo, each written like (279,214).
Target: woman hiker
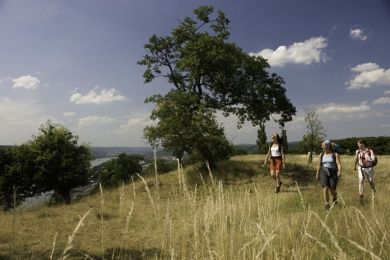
(328,171)
(276,159)
(364,158)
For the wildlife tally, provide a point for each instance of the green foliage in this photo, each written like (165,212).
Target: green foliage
(207,73)
(51,160)
(119,170)
(315,133)
(283,136)
(7,180)
(261,141)
(61,163)
(200,60)
(187,127)
(380,144)
(163,166)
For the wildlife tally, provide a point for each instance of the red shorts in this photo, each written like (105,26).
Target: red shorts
(275,164)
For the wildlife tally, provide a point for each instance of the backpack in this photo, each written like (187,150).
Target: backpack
(333,156)
(375,161)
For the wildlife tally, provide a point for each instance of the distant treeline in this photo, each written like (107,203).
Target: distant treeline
(101,152)
(380,145)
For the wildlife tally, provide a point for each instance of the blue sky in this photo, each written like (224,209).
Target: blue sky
(74,62)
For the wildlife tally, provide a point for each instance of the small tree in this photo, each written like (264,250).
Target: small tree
(261,141)
(315,132)
(61,163)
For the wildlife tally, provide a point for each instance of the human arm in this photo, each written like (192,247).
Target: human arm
(372,155)
(267,156)
(339,165)
(356,160)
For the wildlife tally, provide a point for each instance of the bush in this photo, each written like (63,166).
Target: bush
(119,170)
(163,166)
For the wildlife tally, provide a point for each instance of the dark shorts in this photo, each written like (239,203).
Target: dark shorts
(329,178)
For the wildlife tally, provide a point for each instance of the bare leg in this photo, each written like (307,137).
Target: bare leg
(361,189)
(278,182)
(334,195)
(372,184)
(326,195)
(326,198)
(273,174)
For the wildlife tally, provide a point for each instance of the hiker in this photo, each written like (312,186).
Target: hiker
(276,159)
(328,171)
(364,158)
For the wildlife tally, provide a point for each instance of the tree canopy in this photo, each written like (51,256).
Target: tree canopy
(62,163)
(196,58)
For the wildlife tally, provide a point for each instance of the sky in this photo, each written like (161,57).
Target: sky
(75,63)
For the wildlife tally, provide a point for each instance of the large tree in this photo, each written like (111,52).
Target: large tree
(197,59)
(315,133)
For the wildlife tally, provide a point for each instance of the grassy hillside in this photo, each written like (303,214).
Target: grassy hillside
(190,216)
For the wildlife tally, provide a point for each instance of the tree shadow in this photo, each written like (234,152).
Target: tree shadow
(122,253)
(302,175)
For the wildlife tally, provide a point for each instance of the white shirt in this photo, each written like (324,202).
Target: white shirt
(275,151)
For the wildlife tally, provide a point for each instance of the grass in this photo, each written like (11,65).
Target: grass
(187,217)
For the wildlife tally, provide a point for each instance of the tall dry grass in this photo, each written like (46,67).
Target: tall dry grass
(237,217)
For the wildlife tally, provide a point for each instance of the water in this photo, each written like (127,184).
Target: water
(98,161)
(36,201)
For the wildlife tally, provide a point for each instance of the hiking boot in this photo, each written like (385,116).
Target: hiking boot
(327,206)
(277,189)
(361,197)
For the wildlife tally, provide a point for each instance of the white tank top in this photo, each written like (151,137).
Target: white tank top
(275,151)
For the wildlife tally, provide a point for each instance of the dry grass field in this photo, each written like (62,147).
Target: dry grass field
(235,214)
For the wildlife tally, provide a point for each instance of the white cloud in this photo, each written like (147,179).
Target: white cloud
(26,82)
(357,34)
(387,92)
(333,108)
(68,113)
(138,120)
(307,52)
(94,120)
(105,96)
(368,75)
(382,101)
